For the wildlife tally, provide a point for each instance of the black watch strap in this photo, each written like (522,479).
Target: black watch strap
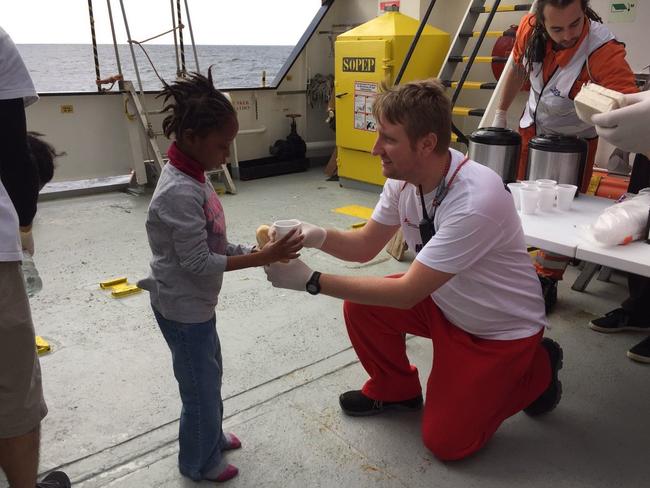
(313,285)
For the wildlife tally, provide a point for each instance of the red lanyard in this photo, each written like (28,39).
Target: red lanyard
(462,163)
(440,195)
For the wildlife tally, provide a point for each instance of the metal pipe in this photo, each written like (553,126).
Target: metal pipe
(135,62)
(414,42)
(117,52)
(94,39)
(189,23)
(180,37)
(171,4)
(244,132)
(314,145)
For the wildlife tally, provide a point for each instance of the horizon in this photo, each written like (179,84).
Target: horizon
(147,45)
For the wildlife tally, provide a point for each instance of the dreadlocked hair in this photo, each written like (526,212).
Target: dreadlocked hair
(195,104)
(536,45)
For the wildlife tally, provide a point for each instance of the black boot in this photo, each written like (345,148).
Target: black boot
(549,399)
(357,404)
(55,479)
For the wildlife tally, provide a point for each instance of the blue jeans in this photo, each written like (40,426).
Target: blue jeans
(196,356)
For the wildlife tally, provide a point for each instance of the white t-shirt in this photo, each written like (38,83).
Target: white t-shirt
(15,82)
(495,293)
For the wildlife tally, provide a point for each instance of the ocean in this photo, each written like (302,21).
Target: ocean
(70,67)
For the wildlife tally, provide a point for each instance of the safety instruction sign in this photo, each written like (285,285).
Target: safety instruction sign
(364,99)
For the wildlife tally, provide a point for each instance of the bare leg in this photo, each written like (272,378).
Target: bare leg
(19,459)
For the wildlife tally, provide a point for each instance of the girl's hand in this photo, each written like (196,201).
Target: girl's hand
(283,249)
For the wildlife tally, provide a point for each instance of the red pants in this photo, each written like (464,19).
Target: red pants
(474,384)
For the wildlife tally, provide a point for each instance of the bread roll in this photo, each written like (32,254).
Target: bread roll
(262,235)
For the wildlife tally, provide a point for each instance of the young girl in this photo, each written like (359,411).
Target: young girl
(187,235)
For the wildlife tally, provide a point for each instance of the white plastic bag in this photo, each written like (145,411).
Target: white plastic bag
(623,222)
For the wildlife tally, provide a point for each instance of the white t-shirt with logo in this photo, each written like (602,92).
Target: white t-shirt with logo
(15,82)
(495,293)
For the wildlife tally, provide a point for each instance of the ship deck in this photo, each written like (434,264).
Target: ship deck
(114,406)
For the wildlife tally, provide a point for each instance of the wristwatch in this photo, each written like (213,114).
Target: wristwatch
(313,285)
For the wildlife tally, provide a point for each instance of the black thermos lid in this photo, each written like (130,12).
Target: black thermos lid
(558,144)
(495,136)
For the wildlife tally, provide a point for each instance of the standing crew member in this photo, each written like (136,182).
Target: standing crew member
(559,48)
(22,406)
(628,129)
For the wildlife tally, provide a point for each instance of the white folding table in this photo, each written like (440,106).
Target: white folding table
(633,257)
(559,232)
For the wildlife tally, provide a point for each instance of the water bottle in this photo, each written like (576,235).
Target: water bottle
(33,282)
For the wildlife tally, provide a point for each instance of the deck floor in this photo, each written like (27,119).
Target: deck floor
(114,404)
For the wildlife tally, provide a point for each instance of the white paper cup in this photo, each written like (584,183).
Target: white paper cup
(543,182)
(283,227)
(514,190)
(565,194)
(547,198)
(529,199)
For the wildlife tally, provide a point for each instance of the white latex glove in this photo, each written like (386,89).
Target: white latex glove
(314,235)
(500,119)
(27,241)
(628,127)
(293,275)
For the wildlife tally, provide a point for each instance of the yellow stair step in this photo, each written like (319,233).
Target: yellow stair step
(468,112)
(471,85)
(478,59)
(524,7)
(493,34)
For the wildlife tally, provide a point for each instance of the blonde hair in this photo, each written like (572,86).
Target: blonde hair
(421,107)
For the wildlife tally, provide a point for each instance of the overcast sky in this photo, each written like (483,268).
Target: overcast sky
(270,22)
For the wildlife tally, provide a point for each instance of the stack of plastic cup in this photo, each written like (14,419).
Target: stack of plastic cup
(565,194)
(514,190)
(529,199)
(547,197)
(543,182)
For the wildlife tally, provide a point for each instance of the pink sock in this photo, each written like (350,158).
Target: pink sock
(233,442)
(222,472)
(227,474)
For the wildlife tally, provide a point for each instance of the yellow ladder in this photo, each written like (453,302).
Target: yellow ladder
(457,56)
